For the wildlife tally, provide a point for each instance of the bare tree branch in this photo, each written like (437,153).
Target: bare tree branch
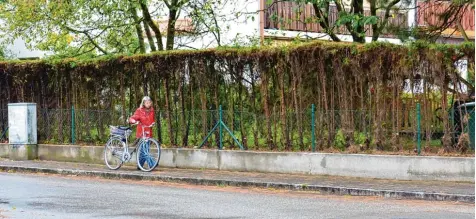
(89,38)
(153,26)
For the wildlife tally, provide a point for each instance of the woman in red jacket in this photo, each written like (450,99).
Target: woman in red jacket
(144,116)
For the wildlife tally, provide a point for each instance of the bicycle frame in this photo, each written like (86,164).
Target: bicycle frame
(127,156)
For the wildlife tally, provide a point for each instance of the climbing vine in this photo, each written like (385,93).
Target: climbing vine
(356,88)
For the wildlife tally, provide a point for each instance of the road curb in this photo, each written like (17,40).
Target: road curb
(334,190)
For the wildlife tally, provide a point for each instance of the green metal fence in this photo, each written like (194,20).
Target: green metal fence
(309,130)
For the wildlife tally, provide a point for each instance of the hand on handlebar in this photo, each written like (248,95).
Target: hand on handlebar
(149,125)
(133,122)
(137,123)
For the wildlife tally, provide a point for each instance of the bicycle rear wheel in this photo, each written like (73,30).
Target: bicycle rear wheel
(148,155)
(113,153)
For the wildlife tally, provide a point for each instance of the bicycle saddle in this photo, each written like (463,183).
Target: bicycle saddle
(125,128)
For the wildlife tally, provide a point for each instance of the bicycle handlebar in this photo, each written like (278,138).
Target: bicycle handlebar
(148,126)
(144,126)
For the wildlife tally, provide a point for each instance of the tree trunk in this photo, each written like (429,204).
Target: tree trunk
(123,97)
(323,18)
(149,36)
(358,35)
(298,114)
(138,27)
(171,25)
(253,105)
(154,90)
(203,102)
(168,111)
(284,124)
(182,105)
(153,26)
(446,140)
(240,101)
(265,99)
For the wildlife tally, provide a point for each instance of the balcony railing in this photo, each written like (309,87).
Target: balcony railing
(429,13)
(284,16)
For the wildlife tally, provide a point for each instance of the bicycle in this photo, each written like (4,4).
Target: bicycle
(116,151)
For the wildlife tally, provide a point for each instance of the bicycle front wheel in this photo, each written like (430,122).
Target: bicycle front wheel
(148,155)
(113,153)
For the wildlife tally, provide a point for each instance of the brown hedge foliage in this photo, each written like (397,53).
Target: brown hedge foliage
(333,76)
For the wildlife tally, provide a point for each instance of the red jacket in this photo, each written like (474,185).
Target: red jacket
(144,117)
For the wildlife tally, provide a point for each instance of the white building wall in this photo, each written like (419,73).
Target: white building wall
(19,50)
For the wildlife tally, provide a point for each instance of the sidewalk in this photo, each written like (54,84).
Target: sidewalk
(422,190)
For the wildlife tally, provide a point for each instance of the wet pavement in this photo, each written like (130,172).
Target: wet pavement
(463,188)
(53,196)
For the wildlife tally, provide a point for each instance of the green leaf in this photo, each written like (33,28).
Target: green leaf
(369,20)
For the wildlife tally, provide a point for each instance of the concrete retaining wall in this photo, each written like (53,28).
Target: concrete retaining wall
(71,153)
(4,151)
(356,165)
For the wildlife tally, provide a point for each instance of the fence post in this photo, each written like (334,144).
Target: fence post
(220,128)
(72,125)
(313,128)
(418,129)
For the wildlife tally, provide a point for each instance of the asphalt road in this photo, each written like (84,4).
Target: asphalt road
(46,196)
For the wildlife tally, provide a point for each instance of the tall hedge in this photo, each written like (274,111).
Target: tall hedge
(336,77)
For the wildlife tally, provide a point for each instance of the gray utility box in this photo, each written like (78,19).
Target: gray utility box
(22,133)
